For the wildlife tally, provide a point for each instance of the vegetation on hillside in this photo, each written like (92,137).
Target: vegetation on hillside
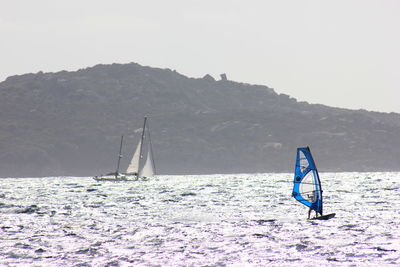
(70,123)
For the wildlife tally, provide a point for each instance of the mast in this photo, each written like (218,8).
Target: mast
(141,146)
(119,157)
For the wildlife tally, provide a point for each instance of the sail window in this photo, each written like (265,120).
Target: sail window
(303,162)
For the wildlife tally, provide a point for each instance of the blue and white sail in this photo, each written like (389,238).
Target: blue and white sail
(307,186)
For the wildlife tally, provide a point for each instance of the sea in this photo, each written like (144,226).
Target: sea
(199,220)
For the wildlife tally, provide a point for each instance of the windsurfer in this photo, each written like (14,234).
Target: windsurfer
(311,198)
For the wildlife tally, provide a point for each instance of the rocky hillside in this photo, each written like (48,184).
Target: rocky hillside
(70,123)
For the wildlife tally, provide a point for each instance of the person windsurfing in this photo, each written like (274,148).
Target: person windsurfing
(312,200)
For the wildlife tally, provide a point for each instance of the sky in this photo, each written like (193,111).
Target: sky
(342,53)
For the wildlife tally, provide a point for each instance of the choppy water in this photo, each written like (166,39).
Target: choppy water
(214,220)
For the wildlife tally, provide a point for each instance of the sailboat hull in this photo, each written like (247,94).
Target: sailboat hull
(324,217)
(110,178)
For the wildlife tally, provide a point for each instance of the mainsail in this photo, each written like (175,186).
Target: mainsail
(143,152)
(307,186)
(134,165)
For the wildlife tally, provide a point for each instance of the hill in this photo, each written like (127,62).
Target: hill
(70,123)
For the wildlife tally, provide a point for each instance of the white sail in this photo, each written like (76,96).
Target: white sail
(134,165)
(148,168)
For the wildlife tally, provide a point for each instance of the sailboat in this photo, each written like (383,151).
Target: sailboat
(307,185)
(114,176)
(142,163)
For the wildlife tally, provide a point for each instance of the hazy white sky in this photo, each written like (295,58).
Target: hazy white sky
(343,53)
